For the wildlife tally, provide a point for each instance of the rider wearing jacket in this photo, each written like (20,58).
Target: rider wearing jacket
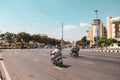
(56,52)
(75,48)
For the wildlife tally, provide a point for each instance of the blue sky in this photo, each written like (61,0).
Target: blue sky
(46,16)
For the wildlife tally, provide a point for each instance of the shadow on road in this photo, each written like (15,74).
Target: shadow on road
(65,66)
(1,51)
(64,57)
(1,59)
(78,56)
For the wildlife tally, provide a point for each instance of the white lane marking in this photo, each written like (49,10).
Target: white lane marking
(25,55)
(58,68)
(110,66)
(109,58)
(87,62)
(16,52)
(6,72)
(35,59)
(45,54)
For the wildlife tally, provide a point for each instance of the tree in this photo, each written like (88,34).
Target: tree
(23,37)
(106,42)
(36,38)
(9,36)
(2,36)
(53,41)
(102,42)
(111,40)
(83,42)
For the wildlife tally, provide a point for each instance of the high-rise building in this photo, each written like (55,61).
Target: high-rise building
(96,31)
(113,28)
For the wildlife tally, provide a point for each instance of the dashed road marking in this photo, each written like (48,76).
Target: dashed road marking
(110,66)
(87,62)
(109,58)
(16,52)
(45,54)
(35,59)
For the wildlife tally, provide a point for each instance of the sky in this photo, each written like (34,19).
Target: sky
(46,16)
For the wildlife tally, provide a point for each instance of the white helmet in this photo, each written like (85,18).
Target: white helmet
(57,46)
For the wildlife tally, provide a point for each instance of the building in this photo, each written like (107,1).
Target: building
(113,28)
(96,31)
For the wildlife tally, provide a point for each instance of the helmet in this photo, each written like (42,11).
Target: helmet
(57,46)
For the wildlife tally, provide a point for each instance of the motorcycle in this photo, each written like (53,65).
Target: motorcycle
(74,52)
(56,60)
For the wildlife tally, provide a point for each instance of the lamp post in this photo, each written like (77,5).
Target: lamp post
(62,37)
(62,31)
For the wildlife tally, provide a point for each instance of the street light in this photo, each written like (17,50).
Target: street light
(62,31)
(62,37)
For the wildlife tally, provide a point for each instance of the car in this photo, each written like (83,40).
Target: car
(48,47)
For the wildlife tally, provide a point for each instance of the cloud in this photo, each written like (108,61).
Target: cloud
(69,27)
(84,24)
(54,33)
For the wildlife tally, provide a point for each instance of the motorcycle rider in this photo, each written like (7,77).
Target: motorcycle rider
(56,52)
(75,48)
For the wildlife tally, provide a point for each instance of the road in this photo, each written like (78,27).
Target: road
(34,64)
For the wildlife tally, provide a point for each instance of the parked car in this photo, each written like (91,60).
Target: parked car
(48,47)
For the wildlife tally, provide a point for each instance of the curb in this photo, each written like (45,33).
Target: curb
(116,51)
(2,75)
(1,78)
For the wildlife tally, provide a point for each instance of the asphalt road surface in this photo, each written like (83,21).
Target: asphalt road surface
(34,64)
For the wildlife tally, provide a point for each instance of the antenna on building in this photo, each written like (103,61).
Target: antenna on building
(96,11)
